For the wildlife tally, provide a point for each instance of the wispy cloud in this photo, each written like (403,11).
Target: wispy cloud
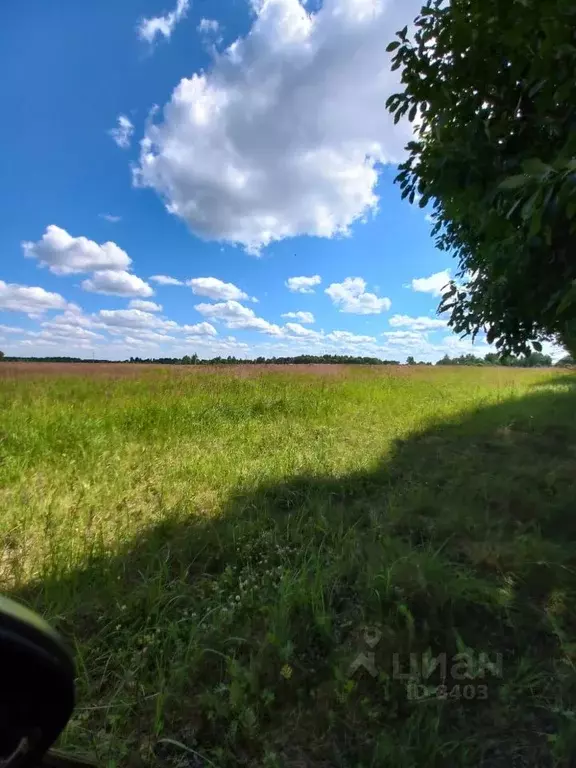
(163,26)
(122,134)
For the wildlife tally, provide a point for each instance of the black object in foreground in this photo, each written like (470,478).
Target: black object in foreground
(36,689)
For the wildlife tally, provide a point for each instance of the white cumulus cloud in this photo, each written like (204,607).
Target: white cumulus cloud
(432,284)
(406,338)
(417,323)
(298,330)
(122,134)
(31,300)
(145,306)
(235,315)
(346,337)
(64,254)
(302,317)
(62,332)
(201,329)
(165,280)
(216,289)
(117,283)
(162,26)
(351,296)
(284,135)
(303,284)
(73,315)
(134,319)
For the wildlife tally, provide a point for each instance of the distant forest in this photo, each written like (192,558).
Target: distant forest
(534,360)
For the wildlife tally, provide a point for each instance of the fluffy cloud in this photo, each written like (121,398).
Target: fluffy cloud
(150,336)
(433,284)
(11,329)
(406,338)
(417,323)
(66,331)
(117,284)
(134,319)
(298,330)
(162,26)
(122,134)
(303,284)
(32,300)
(165,280)
(346,337)
(284,134)
(216,289)
(201,329)
(302,317)
(39,343)
(235,315)
(64,254)
(145,306)
(350,296)
(133,342)
(208,347)
(75,317)
(208,26)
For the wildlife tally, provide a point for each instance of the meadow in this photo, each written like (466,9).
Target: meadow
(258,566)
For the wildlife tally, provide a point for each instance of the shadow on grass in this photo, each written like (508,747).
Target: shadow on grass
(235,636)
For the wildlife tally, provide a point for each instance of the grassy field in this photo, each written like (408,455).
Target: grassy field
(248,563)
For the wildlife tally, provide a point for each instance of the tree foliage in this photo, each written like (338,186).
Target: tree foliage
(490,88)
(532,360)
(230,360)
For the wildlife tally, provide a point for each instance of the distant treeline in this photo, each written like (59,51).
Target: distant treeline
(230,360)
(534,360)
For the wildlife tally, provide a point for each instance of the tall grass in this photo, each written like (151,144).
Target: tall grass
(214,545)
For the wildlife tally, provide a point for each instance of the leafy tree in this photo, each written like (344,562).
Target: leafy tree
(1,355)
(490,88)
(410,360)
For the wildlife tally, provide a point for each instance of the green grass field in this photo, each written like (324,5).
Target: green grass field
(218,548)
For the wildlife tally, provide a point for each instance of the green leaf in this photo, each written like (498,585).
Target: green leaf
(514,182)
(535,88)
(528,207)
(536,168)
(537,346)
(392,46)
(513,207)
(569,298)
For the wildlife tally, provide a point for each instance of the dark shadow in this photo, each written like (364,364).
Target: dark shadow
(462,540)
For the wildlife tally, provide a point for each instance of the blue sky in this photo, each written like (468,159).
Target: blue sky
(229,145)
